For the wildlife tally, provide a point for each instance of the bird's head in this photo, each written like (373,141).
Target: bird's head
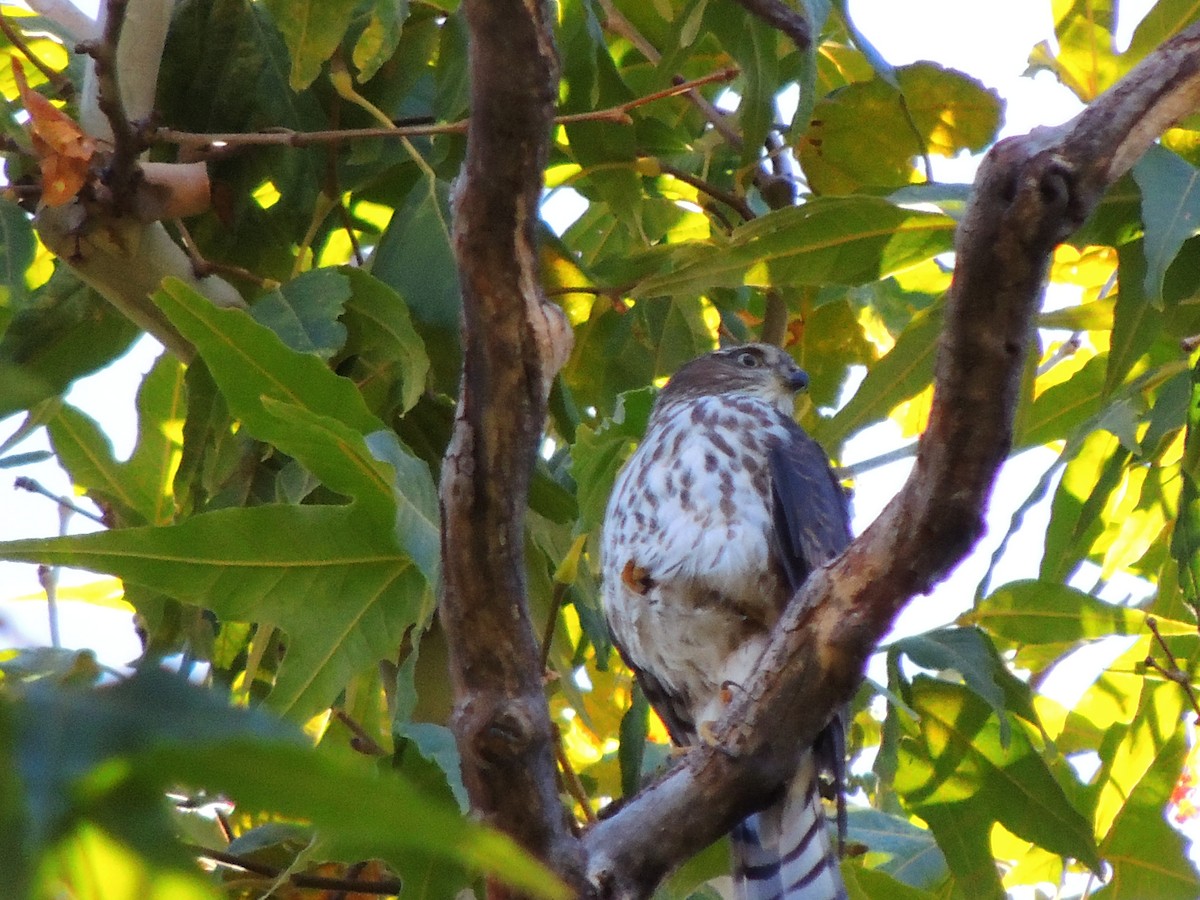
(761,371)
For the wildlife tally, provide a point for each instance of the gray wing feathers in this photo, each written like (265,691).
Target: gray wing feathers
(809,507)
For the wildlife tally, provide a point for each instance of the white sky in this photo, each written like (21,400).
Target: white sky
(988,40)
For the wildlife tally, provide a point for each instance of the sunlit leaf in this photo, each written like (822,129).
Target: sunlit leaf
(838,240)
(958,774)
(312,29)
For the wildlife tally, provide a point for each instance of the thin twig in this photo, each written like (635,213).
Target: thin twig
(733,201)
(362,742)
(123,169)
(560,591)
(1171,672)
(25,483)
(202,267)
(875,462)
(571,778)
(48,579)
(62,85)
(382,887)
(615,21)
(288,137)
(775,319)
(1067,349)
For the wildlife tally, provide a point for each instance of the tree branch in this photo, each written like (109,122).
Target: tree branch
(618,114)
(514,342)
(1031,192)
(123,169)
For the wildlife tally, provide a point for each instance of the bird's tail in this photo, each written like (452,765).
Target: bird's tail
(784,852)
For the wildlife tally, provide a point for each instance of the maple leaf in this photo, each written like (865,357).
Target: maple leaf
(64,150)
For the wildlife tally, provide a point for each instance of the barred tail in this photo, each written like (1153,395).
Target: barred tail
(784,851)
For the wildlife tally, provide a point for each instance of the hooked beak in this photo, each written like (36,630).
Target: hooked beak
(796,379)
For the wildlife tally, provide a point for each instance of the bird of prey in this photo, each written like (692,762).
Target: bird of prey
(722,512)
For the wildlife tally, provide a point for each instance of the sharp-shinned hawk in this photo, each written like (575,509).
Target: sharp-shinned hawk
(721,513)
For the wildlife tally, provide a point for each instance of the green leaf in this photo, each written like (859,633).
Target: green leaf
(294,401)
(358,815)
(1170,211)
(380,38)
(329,576)
(312,30)
(869,133)
(1185,539)
(64,331)
(1059,410)
(383,342)
(870,883)
(1136,781)
(968,653)
(960,776)
(84,753)
(839,240)
(137,491)
(415,257)
(414,494)
(756,49)
(1040,612)
(434,742)
(304,312)
(1076,521)
(1136,323)
(913,857)
(598,454)
(904,372)
(17,247)
(249,362)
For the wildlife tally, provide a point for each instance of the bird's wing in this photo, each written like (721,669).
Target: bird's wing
(670,708)
(809,508)
(811,517)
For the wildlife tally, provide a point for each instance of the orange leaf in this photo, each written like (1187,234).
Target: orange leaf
(64,150)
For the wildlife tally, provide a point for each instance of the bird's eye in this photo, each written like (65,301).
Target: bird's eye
(749,360)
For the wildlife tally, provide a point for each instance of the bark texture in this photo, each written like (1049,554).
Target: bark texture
(513,343)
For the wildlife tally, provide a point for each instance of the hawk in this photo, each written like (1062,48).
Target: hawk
(723,510)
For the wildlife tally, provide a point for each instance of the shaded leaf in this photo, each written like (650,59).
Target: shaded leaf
(383,341)
(304,312)
(969,653)
(65,331)
(913,855)
(17,247)
(312,30)
(1170,210)
(139,490)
